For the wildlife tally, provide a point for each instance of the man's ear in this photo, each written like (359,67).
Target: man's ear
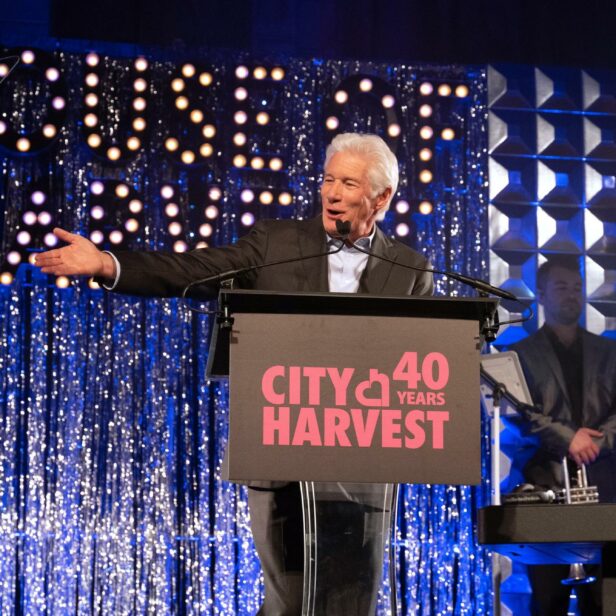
(382,199)
(540,296)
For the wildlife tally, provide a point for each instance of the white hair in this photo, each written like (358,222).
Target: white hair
(383,167)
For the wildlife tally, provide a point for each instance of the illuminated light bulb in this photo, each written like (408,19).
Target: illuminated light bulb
(211,212)
(49,131)
(208,131)
(426,88)
(201,244)
(131,225)
(28,57)
(426,132)
(247,219)
(393,130)
(341,97)
(172,144)
(257,163)
(239,160)
(285,198)
(4,70)
(448,134)
(425,176)
(93,284)
(259,73)
(241,94)
(90,120)
(444,89)
(172,210)
(62,282)
(44,218)
(247,196)
(275,164)
(402,207)
(239,139)
(29,218)
(38,197)
(50,240)
(92,80)
(122,191)
(2,127)
(240,117)
(140,84)
(425,208)
(133,143)
(388,101)
(196,116)
(97,212)
(6,278)
(262,118)
(188,157)
(94,140)
(365,85)
(462,91)
(116,236)
(205,230)
(14,258)
(97,188)
(166,192)
(141,64)
(114,153)
(175,228)
(92,59)
(91,99)
(52,74)
(214,193)
(277,73)
(58,103)
(266,197)
(241,72)
(206,150)
(188,70)
(135,206)
(332,123)
(23,238)
(23,144)
(425,154)
(139,124)
(139,104)
(205,79)
(177,85)
(425,111)
(32,259)
(402,229)
(180,246)
(97,237)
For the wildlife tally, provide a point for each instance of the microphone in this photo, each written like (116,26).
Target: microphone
(343,227)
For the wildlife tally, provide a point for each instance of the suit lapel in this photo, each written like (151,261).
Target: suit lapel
(546,354)
(377,272)
(591,358)
(312,242)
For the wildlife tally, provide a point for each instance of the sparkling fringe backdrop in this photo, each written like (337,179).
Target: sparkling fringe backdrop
(111,437)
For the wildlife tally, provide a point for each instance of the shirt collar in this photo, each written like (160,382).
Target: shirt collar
(362,242)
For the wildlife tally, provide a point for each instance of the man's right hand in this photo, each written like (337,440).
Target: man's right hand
(80,258)
(582,448)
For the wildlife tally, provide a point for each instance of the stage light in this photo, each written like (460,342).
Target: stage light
(133,143)
(139,104)
(14,258)
(247,196)
(241,94)
(214,193)
(90,120)
(205,79)
(425,176)
(266,197)
(426,132)
(285,198)
(262,118)
(52,74)
(122,191)
(4,70)
(201,244)
(341,97)
(188,70)
(94,140)
(114,153)
(49,131)
(402,229)
(116,237)
(28,57)
(240,117)
(62,282)
(97,188)
(205,230)
(365,85)
(97,212)
(425,208)
(180,246)
(211,212)
(247,219)
(2,127)
(172,144)
(23,144)
(140,84)
(131,225)
(239,139)
(461,91)
(38,197)
(239,160)
(444,89)
(166,192)
(92,80)
(425,154)
(29,218)
(177,85)
(44,218)
(91,99)
(58,103)
(175,228)
(393,130)
(241,72)
(93,284)
(275,164)
(332,123)
(208,131)
(139,124)
(426,88)
(92,59)
(188,157)
(425,111)
(277,73)
(141,64)
(32,258)
(448,134)
(50,240)
(172,210)
(6,278)
(97,237)
(259,72)
(135,206)
(196,116)
(257,163)
(23,238)
(388,101)
(206,150)
(402,207)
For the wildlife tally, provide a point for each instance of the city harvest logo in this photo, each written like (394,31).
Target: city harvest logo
(322,406)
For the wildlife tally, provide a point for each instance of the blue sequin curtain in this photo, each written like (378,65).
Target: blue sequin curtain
(111,437)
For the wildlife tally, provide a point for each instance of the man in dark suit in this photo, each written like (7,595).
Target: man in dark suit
(571,375)
(360,178)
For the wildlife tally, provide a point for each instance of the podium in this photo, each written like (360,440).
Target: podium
(350,395)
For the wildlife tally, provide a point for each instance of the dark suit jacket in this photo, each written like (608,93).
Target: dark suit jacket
(554,424)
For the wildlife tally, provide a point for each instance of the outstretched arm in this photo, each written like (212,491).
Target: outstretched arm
(79,258)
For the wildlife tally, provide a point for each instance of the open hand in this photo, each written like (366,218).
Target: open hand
(582,448)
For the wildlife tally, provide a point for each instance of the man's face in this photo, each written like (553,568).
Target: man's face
(562,297)
(346,195)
